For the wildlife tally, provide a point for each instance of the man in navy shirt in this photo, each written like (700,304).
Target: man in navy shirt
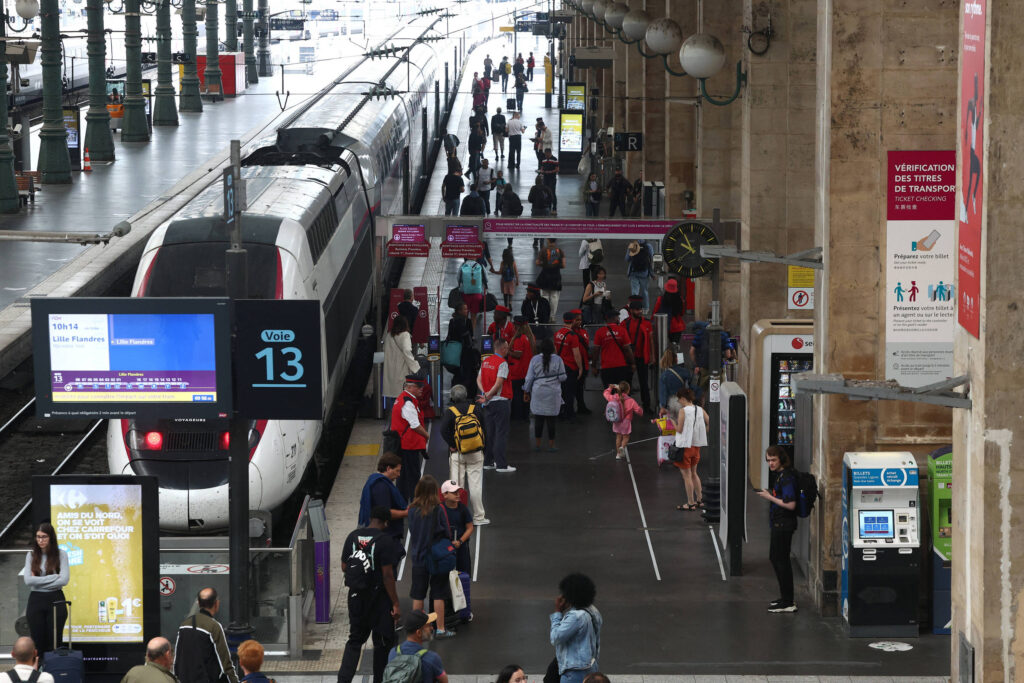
(380,490)
(782,518)
(419,626)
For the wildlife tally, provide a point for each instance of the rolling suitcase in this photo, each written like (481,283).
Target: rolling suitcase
(466,615)
(64,664)
(510,104)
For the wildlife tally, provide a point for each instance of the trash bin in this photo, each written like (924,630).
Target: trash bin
(321,560)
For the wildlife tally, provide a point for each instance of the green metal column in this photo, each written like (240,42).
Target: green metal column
(248,15)
(54,162)
(264,56)
(165,113)
(135,128)
(98,138)
(231,25)
(9,201)
(189,99)
(212,74)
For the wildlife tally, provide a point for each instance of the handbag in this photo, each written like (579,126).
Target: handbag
(458,595)
(451,353)
(441,555)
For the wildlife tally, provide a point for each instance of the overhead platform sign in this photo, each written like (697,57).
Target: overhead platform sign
(456,236)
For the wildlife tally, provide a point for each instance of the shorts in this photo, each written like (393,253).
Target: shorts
(474,302)
(422,579)
(691,456)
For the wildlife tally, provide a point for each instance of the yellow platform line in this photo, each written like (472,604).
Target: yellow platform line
(355,449)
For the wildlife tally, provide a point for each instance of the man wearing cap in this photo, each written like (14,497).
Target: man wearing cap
(407,420)
(502,326)
(639,256)
(497,396)
(641,333)
(612,349)
(535,308)
(460,524)
(520,352)
(569,345)
(468,467)
(369,556)
(419,628)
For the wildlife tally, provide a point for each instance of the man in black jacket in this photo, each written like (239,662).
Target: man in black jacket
(473,203)
(452,188)
(618,189)
(536,308)
(201,651)
(498,134)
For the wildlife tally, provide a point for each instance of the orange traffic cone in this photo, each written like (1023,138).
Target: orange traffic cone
(86,164)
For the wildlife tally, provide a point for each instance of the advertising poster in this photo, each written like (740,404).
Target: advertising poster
(576,96)
(919,271)
(570,133)
(100,528)
(973,71)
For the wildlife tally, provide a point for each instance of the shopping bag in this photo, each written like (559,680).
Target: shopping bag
(666,426)
(665,443)
(458,596)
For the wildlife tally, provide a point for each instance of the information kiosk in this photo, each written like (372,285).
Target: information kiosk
(940,478)
(881,545)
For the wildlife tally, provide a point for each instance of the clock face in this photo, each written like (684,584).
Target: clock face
(681,247)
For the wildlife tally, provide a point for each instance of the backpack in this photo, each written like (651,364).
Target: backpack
(358,565)
(472,278)
(32,677)
(806,493)
(613,411)
(511,205)
(405,668)
(469,435)
(553,258)
(642,261)
(508,68)
(596,251)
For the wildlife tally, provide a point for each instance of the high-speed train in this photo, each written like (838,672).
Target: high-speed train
(313,188)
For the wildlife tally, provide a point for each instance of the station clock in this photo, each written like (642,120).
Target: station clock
(681,247)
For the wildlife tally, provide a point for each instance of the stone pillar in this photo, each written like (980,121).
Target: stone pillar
(886,80)
(189,99)
(98,139)
(988,496)
(165,112)
(211,75)
(680,119)
(135,127)
(654,131)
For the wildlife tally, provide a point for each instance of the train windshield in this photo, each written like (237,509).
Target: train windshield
(197,269)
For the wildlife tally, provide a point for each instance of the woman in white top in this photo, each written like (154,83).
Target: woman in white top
(692,424)
(398,358)
(595,296)
(46,573)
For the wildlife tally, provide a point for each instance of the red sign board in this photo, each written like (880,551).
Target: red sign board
(421,330)
(408,240)
(461,241)
(973,75)
(922,186)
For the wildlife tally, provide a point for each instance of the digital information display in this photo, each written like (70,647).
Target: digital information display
(876,524)
(576,96)
(408,240)
(570,132)
(108,526)
(160,354)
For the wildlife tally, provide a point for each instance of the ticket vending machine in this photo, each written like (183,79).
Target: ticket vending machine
(881,545)
(940,479)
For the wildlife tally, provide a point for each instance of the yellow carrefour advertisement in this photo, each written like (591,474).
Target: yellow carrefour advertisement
(570,137)
(99,526)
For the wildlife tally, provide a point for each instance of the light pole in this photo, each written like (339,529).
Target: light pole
(231,25)
(135,128)
(251,75)
(9,200)
(165,113)
(189,100)
(264,55)
(98,139)
(54,161)
(212,73)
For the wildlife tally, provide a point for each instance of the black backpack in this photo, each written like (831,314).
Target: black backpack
(359,563)
(806,493)
(511,205)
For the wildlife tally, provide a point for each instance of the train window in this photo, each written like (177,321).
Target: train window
(197,269)
(320,232)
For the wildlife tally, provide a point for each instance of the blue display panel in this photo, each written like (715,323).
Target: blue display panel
(876,524)
(131,357)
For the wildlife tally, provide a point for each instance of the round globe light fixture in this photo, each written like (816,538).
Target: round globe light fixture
(615,14)
(598,10)
(27,9)
(587,7)
(702,55)
(634,24)
(664,36)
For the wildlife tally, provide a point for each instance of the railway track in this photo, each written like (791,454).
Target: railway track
(30,446)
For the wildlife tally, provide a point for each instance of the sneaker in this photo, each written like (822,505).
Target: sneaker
(619,455)
(775,603)
(440,635)
(508,469)
(490,467)
(783,607)
(482,522)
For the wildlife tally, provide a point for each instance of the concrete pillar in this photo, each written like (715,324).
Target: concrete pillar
(988,497)
(886,80)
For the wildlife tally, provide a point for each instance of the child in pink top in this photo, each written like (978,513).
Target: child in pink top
(627,409)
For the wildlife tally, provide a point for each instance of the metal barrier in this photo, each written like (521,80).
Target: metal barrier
(282,586)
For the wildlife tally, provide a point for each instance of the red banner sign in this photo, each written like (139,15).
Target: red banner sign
(922,186)
(408,240)
(973,74)
(461,241)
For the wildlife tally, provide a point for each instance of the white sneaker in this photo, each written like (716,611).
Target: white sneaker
(619,455)
(481,522)
(490,467)
(506,470)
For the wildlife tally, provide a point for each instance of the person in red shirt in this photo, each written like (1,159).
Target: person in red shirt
(493,382)
(581,386)
(570,345)
(671,304)
(521,348)
(407,420)
(501,322)
(641,333)
(612,350)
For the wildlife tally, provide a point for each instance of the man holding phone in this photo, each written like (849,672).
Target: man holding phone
(783,520)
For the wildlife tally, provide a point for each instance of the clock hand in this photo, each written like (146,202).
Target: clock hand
(689,247)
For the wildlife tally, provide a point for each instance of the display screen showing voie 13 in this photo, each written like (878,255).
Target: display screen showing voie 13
(107,525)
(137,357)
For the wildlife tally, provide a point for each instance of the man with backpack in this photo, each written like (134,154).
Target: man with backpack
(639,256)
(551,261)
(463,428)
(782,518)
(472,283)
(368,558)
(452,188)
(473,204)
(539,198)
(612,348)
(26,663)
(411,661)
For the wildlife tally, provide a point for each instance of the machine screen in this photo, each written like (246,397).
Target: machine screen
(876,524)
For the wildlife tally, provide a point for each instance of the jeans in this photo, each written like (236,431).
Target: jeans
(451,207)
(638,285)
(592,208)
(519,100)
(486,196)
(778,554)
(504,82)
(470,467)
(515,150)
(551,181)
(369,612)
(576,675)
(497,441)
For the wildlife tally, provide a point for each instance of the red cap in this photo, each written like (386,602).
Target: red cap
(503,309)
(672,285)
